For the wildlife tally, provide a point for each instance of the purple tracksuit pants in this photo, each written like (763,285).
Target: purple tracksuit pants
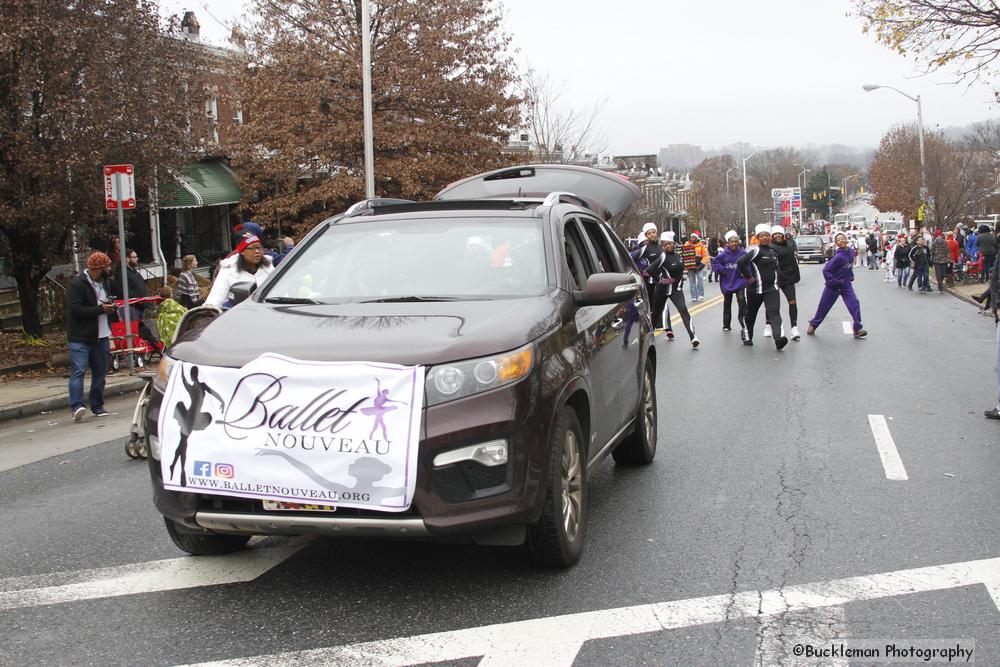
(830,295)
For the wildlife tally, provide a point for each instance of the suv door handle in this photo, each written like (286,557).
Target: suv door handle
(618,324)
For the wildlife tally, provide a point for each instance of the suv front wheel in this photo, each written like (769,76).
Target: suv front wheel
(208,544)
(556,539)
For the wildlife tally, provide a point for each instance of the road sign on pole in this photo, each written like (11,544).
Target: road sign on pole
(119,194)
(115,195)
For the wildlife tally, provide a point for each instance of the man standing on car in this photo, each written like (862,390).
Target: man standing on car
(760,267)
(87,327)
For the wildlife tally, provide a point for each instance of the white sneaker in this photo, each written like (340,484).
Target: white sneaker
(767,331)
(79,413)
(795,333)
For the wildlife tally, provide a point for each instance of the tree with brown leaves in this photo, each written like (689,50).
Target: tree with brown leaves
(82,84)
(961,175)
(441,77)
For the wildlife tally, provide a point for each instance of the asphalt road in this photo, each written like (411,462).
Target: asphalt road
(766,521)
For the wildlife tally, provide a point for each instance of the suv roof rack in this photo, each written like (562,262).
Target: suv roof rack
(370,204)
(405,206)
(554,198)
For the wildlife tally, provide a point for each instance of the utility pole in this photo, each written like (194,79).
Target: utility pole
(829,195)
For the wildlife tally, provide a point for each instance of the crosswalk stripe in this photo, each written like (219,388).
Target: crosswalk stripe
(558,635)
(151,577)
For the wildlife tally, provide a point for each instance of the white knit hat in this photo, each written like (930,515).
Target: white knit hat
(731,234)
(777,229)
(667,236)
(762,228)
(646,227)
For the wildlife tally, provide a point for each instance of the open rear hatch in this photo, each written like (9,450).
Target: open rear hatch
(608,194)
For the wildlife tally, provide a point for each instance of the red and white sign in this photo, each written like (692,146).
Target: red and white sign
(127,179)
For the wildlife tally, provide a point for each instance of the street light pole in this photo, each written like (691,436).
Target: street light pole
(746,206)
(801,182)
(366,89)
(869,87)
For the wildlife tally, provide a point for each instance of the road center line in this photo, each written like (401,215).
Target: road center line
(557,635)
(160,575)
(887,449)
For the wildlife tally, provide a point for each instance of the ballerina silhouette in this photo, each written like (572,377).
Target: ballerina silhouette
(379,408)
(191,418)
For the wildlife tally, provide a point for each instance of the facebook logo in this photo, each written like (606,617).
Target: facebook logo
(202,469)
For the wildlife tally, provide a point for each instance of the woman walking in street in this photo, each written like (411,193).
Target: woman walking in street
(940,257)
(839,276)
(901,257)
(670,283)
(920,258)
(760,267)
(788,274)
(648,257)
(732,283)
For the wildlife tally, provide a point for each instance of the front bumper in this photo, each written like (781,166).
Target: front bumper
(464,498)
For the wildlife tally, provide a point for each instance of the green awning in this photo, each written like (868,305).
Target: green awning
(207,183)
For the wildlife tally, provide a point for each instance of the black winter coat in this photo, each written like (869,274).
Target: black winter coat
(82,311)
(136,288)
(788,266)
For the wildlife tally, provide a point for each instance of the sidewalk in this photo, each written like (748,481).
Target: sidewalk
(966,291)
(23,398)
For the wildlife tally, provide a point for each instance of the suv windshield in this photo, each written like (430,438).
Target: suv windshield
(417,259)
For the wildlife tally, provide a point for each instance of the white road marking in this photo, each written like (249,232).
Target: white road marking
(848,328)
(819,627)
(994,591)
(887,449)
(509,643)
(159,575)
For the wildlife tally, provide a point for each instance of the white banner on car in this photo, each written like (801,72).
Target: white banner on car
(324,433)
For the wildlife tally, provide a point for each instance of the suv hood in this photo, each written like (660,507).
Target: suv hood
(401,333)
(609,194)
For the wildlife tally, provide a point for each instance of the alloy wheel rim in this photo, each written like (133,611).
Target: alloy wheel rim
(572,486)
(648,408)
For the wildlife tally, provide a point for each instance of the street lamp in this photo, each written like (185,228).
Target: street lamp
(746,207)
(869,87)
(843,189)
(366,91)
(801,182)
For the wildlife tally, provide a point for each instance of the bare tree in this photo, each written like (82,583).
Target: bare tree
(560,131)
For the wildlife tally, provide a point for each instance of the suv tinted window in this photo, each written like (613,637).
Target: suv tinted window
(606,257)
(577,256)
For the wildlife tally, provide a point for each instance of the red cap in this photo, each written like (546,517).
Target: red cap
(246,242)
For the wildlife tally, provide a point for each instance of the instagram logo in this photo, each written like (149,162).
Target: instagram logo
(224,470)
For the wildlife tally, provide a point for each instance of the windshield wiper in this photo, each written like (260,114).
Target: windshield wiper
(411,299)
(289,299)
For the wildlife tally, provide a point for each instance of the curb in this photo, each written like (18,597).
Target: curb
(964,298)
(32,408)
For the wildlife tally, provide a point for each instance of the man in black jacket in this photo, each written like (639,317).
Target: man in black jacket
(136,285)
(88,329)
(987,243)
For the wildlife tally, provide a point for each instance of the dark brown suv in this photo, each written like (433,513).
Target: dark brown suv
(515,327)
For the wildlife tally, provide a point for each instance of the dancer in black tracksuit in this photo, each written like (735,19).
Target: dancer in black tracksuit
(648,257)
(670,283)
(760,267)
(788,273)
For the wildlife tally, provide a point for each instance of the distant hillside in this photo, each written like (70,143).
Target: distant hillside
(688,156)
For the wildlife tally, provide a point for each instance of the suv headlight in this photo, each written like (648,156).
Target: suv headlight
(163,373)
(449,382)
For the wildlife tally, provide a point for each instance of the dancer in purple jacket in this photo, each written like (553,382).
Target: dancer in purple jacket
(839,276)
(732,283)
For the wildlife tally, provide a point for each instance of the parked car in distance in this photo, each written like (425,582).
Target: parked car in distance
(811,248)
(523,322)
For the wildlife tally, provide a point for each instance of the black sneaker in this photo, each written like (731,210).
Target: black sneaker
(992,414)
(748,342)
(781,342)
(860,333)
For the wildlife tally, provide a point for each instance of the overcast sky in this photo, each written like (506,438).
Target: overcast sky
(768,72)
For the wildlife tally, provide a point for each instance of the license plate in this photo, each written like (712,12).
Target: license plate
(283,506)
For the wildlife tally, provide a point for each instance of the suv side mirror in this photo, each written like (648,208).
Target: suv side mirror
(241,292)
(607,288)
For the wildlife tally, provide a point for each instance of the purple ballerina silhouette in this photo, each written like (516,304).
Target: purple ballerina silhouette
(379,408)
